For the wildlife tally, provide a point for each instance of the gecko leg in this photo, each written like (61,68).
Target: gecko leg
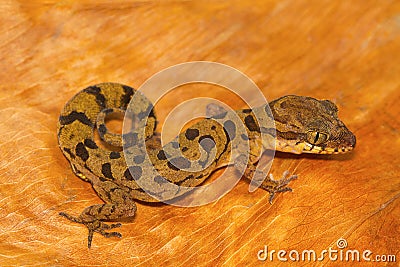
(93,224)
(268,182)
(278,186)
(93,217)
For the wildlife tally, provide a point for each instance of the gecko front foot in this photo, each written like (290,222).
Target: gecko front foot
(94,226)
(259,178)
(276,186)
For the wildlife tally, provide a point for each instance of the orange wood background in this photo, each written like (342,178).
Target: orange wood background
(346,51)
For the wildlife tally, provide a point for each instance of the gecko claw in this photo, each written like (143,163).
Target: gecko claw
(272,194)
(100,227)
(281,185)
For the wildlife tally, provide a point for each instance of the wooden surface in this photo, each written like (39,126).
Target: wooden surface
(346,51)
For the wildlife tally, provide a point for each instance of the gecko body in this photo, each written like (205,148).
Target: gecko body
(303,125)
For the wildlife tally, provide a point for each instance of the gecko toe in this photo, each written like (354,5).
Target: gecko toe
(94,226)
(100,227)
(281,185)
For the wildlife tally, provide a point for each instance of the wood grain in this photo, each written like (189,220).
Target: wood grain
(346,51)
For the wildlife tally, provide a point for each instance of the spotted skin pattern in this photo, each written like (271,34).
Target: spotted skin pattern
(303,125)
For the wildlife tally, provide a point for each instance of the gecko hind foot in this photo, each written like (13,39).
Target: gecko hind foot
(95,226)
(281,185)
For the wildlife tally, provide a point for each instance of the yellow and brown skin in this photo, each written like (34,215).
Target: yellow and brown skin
(303,125)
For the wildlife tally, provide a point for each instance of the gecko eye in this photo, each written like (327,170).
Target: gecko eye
(316,138)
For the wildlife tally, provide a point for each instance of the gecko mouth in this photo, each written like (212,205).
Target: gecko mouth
(298,147)
(309,148)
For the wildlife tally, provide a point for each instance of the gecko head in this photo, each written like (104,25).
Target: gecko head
(307,125)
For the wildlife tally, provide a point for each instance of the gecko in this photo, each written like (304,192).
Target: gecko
(303,125)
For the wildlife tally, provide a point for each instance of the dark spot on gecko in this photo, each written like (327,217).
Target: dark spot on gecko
(126,97)
(80,151)
(73,116)
(96,91)
(100,209)
(336,149)
(191,134)
(147,113)
(128,175)
(251,124)
(130,139)
(109,111)
(220,116)
(172,167)
(228,139)
(285,119)
(161,155)
(72,155)
(244,137)
(102,129)
(160,180)
(106,170)
(90,143)
(213,127)
(246,110)
(180,162)
(175,144)
(289,135)
(230,128)
(267,109)
(112,209)
(203,163)
(207,142)
(138,159)
(184,149)
(101,178)
(225,146)
(135,171)
(269,131)
(115,155)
